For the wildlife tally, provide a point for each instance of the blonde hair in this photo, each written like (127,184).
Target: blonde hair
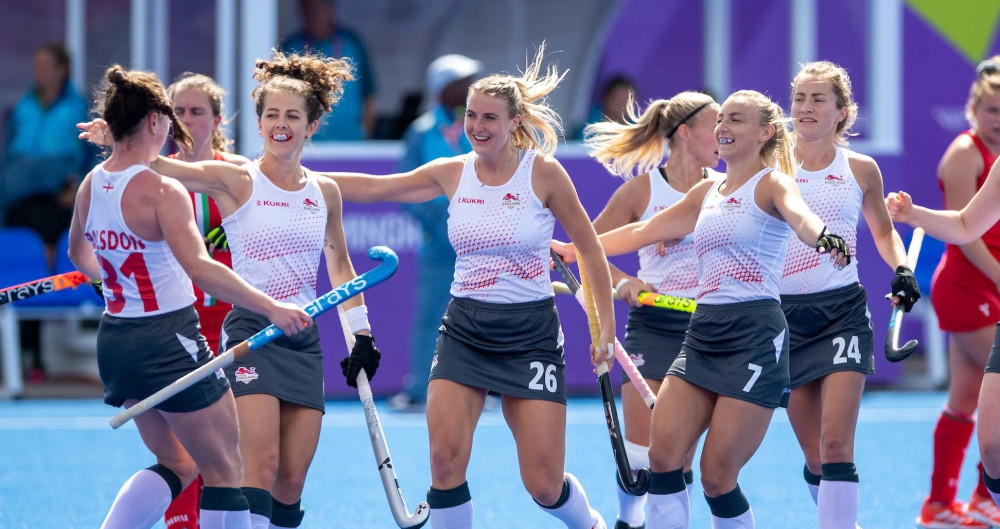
(986,84)
(215,94)
(540,126)
(126,97)
(640,144)
(320,80)
(777,151)
(840,83)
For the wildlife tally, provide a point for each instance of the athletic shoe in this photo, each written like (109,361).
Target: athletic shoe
(622,525)
(983,510)
(937,516)
(600,519)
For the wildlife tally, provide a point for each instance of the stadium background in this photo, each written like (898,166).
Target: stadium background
(911,62)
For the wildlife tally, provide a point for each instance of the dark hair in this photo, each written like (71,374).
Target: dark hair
(58,52)
(320,80)
(126,97)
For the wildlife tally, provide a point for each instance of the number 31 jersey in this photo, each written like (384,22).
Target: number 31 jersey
(141,278)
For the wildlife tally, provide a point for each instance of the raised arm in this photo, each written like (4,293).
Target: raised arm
(433,179)
(955,227)
(220,180)
(675,222)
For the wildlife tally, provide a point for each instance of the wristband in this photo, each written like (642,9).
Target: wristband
(622,282)
(357,319)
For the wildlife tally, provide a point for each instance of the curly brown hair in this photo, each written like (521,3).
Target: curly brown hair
(320,80)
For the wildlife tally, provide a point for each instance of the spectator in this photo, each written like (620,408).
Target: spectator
(43,163)
(354,116)
(438,133)
(44,160)
(613,102)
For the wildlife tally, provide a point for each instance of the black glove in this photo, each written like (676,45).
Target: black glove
(905,287)
(364,355)
(216,237)
(830,241)
(98,287)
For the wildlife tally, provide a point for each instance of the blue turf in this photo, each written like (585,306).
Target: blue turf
(61,466)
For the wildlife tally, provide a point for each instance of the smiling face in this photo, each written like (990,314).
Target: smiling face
(814,110)
(488,124)
(739,131)
(283,123)
(193,108)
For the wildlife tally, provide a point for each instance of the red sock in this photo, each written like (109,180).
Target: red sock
(951,438)
(981,489)
(183,511)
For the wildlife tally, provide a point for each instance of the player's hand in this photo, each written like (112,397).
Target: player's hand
(905,290)
(98,287)
(606,352)
(289,318)
(565,250)
(217,240)
(899,205)
(363,355)
(661,247)
(834,245)
(96,132)
(629,291)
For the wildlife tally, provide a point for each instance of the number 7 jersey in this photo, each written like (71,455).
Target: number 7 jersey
(141,278)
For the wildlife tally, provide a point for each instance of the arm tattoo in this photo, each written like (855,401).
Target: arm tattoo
(328,244)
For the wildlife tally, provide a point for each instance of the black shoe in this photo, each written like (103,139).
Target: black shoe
(622,525)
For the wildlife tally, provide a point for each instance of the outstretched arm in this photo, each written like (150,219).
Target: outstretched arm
(433,179)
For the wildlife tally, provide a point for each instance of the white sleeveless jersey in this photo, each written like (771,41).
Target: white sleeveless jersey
(501,235)
(675,272)
(740,247)
(140,277)
(276,237)
(834,195)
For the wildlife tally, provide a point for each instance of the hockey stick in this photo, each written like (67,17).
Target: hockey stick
(893,352)
(397,504)
(650,299)
(42,286)
(638,485)
(270,333)
(572,286)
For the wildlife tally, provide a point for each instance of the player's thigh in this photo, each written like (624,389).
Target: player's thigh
(637,415)
(682,413)
(736,431)
(211,436)
(539,429)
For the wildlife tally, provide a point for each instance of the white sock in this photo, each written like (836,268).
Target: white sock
(632,509)
(259,521)
(575,512)
(669,511)
(838,504)
(814,492)
(743,521)
(140,503)
(224,519)
(457,517)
